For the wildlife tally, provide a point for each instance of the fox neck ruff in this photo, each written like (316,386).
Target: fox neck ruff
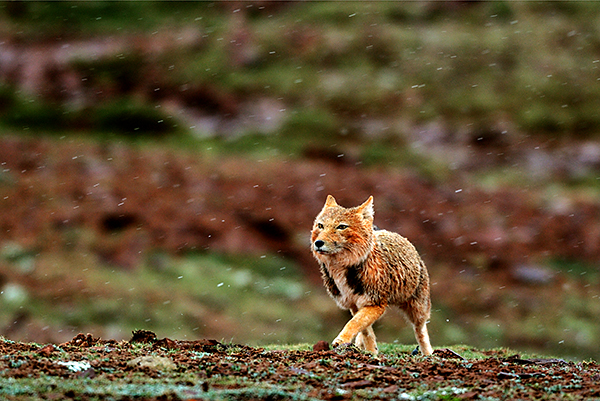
(357,255)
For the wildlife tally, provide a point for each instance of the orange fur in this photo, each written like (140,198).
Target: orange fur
(366,270)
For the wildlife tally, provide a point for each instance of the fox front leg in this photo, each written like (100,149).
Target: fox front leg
(361,321)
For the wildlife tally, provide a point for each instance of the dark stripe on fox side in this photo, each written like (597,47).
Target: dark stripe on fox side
(329,282)
(353,279)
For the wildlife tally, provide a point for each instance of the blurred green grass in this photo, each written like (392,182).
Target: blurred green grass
(181,297)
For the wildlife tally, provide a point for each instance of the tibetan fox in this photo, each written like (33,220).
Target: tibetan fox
(366,270)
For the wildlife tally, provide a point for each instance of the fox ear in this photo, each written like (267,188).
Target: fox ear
(330,201)
(367,209)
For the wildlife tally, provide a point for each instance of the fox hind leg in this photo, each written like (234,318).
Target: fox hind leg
(418,314)
(423,338)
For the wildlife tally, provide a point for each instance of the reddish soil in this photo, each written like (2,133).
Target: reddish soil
(204,368)
(133,201)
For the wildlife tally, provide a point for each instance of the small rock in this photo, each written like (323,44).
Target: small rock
(142,336)
(391,389)
(81,340)
(321,346)
(533,275)
(166,343)
(357,384)
(89,373)
(299,371)
(75,366)
(152,362)
(47,350)
(447,353)
(507,375)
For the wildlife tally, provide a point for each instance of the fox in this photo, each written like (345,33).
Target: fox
(366,270)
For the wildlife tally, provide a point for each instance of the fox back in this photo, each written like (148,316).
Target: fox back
(363,266)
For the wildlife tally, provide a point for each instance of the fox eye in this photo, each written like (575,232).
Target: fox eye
(342,226)
(320,226)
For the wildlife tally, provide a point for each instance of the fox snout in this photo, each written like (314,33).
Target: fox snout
(325,248)
(320,247)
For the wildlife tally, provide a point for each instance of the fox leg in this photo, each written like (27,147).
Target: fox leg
(361,322)
(366,340)
(417,314)
(423,338)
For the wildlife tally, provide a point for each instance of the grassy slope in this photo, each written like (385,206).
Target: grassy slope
(531,65)
(232,298)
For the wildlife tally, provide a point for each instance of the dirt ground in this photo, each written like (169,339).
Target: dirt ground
(148,368)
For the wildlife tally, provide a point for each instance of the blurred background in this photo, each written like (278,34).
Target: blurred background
(162,164)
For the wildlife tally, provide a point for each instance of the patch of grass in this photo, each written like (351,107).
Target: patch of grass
(129,117)
(312,127)
(578,270)
(288,347)
(122,116)
(34,114)
(390,152)
(304,129)
(85,18)
(95,389)
(119,72)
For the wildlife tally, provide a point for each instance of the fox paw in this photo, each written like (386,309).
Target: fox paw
(344,347)
(339,341)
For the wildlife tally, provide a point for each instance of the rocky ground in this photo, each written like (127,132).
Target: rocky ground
(497,186)
(148,368)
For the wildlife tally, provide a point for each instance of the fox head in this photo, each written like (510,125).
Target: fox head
(343,235)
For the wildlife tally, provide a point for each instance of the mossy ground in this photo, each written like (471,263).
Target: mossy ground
(210,370)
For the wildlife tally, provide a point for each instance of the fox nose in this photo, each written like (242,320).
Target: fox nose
(319,243)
